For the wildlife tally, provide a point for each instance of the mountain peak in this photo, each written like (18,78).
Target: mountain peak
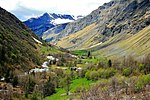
(47,21)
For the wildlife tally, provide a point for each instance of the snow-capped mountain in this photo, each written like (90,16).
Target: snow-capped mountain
(47,21)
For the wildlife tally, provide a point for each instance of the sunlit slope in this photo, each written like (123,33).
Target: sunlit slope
(80,40)
(135,45)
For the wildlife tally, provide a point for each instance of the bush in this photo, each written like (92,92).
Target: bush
(127,71)
(87,75)
(146,79)
(106,73)
(94,75)
(15,81)
(139,86)
(101,72)
(81,73)
(59,72)
(48,89)
(34,97)
(91,66)
(29,86)
(141,67)
(142,82)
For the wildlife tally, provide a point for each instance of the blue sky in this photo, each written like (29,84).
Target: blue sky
(25,9)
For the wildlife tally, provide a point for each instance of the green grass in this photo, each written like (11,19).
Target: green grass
(81,82)
(50,50)
(80,52)
(57,95)
(93,60)
(76,83)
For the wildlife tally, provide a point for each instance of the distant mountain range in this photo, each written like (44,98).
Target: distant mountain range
(110,24)
(49,20)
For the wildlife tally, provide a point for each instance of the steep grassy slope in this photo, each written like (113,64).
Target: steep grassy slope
(113,18)
(77,40)
(18,48)
(134,45)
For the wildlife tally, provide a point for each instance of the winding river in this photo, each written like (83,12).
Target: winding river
(44,65)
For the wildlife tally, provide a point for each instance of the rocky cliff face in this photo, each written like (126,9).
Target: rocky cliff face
(115,17)
(124,16)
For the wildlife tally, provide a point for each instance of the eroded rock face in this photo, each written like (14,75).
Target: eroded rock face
(118,16)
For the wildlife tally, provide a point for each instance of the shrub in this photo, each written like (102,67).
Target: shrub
(34,97)
(87,75)
(59,72)
(126,72)
(81,73)
(15,81)
(139,86)
(141,67)
(94,75)
(106,73)
(100,72)
(91,66)
(146,79)
(48,88)
(29,86)
(142,82)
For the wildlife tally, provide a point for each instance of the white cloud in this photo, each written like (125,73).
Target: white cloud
(75,7)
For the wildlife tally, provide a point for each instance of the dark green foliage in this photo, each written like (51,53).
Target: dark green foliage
(8,75)
(17,48)
(34,97)
(15,81)
(48,88)
(89,54)
(29,86)
(141,67)
(65,83)
(109,63)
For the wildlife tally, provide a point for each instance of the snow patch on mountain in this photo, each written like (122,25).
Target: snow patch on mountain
(61,21)
(41,24)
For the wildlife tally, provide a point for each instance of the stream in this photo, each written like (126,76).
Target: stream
(44,65)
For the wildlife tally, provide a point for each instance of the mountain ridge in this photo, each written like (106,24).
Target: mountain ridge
(100,16)
(116,17)
(47,21)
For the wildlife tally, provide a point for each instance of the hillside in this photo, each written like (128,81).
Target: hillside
(103,65)
(115,19)
(18,45)
(53,32)
(137,45)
